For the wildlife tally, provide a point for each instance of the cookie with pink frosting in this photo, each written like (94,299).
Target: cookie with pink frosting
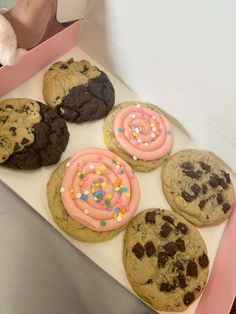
(93,195)
(140,134)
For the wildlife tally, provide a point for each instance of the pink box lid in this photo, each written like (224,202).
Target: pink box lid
(37,58)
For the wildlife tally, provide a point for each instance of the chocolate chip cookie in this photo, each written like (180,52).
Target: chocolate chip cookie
(78,91)
(197,186)
(31,134)
(165,259)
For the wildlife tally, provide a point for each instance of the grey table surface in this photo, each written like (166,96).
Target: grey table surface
(41,272)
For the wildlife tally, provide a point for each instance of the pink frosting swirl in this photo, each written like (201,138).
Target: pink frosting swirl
(143,133)
(99,189)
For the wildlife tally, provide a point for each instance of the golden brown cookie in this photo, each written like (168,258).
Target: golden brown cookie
(197,187)
(165,259)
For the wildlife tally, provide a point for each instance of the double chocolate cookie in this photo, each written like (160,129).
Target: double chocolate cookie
(31,134)
(78,91)
(197,187)
(165,259)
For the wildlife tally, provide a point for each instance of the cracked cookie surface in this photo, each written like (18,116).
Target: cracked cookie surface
(198,187)
(78,91)
(64,221)
(31,134)
(165,259)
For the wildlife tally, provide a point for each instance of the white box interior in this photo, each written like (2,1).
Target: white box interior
(31,185)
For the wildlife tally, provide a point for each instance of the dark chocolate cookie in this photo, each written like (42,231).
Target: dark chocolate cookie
(197,187)
(31,134)
(165,259)
(78,91)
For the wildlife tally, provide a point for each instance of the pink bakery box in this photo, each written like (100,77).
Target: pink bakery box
(220,291)
(40,56)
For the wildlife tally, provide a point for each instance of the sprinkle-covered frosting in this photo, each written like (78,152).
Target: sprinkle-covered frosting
(143,133)
(99,189)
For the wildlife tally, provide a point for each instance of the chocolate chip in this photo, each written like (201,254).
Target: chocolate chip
(138,250)
(204,188)
(4,119)
(150,248)
(188,298)
(196,189)
(182,227)
(182,281)
(187,196)
(192,269)
(165,230)
(219,198)
(202,203)
(180,245)
(179,265)
(13,130)
(9,107)
(138,227)
(71,60)
(223,183)
(187,165)
(17,147)
(64,66)
(165,286)
(168,219)
(170,248)
(162,259)
(26,108)
(214,181)
(85,69)
(150,281)
(2,142)
(198,288)
(226,207)
(192,174)
(203,260)
(227,177)
(204,166)
(24,141)
(150,217)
